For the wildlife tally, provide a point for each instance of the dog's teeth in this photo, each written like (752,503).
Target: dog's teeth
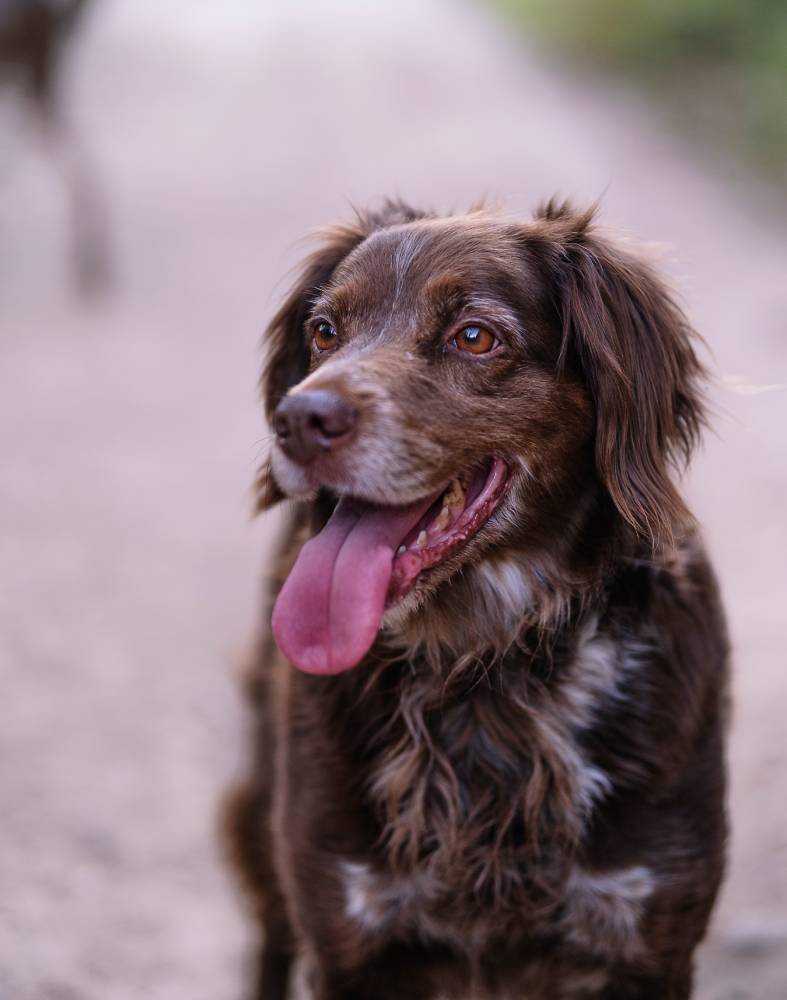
(401,550)
(422,539)
(455,496)
(443,519)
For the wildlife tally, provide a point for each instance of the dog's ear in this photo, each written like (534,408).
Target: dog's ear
(286,350)
(284,341)
(635,349)
(287,354)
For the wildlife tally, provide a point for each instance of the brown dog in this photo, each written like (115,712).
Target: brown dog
(499,770)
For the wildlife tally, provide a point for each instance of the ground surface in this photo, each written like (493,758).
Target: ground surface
(129,434)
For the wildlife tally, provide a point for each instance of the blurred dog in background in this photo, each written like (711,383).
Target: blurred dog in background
(33,37)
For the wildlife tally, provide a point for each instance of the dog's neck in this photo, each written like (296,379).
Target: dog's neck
(480,613)
(492,605)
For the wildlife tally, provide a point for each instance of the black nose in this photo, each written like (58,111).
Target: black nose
(309,423)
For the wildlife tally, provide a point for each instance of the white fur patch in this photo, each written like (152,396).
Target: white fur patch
(360,905)
(374,900)
(602,913)
(594,676)
(406,251)
(510,589)
(290,476)
(603,910)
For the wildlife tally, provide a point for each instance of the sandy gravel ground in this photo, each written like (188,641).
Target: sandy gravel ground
(129,434)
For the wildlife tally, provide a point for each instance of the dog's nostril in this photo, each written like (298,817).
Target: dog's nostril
(308,423)
(281,425)
(332,419)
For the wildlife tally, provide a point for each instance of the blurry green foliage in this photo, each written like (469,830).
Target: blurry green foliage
(723,61)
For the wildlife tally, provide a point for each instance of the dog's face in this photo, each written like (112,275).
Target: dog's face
(447,388)
(437,347)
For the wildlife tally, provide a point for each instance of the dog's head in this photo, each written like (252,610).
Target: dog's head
(467,387)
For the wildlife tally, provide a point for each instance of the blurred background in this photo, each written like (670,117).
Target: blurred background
(159,163)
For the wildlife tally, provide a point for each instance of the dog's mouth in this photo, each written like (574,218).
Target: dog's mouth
(367,558)
(450,521)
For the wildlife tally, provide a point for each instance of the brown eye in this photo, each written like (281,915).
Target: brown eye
(325,338)
(475,340)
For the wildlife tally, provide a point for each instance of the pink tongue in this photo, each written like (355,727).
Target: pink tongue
(329,609)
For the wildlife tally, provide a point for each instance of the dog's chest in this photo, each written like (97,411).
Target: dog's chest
(598,913)
(483,804)
(471,789)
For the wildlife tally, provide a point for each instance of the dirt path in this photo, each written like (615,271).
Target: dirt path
(129,434)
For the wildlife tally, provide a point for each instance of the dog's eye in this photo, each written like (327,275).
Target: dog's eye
(475,340)
(324,337)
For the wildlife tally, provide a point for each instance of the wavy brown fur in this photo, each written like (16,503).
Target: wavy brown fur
(520,790)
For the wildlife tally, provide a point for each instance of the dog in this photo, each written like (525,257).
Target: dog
(498,769)
(34,35)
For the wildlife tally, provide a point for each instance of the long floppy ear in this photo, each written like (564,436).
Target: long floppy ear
(287,356)
(635,348)
(286,350)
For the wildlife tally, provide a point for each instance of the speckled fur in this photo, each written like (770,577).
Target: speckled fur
(520,790)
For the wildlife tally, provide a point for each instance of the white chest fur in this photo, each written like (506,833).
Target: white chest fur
(602,910)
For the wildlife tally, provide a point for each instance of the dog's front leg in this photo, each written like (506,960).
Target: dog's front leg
(398,973)
(625,985)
